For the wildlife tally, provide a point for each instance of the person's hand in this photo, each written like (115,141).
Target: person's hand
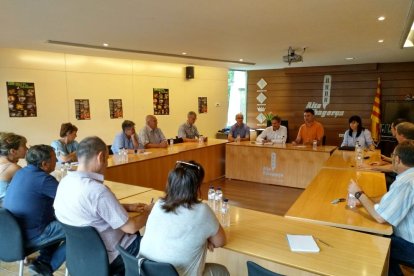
(378,163)
(353,187)
(294,143)
(138,207)
(210,246)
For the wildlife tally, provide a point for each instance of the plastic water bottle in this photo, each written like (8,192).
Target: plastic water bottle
(124,155)
(238,138)
(201,139)
(218,200)
(359,155)
(283,141)
(63,170)
(119,155)
(225,213)
(351,201)
(315,145)
(211,197)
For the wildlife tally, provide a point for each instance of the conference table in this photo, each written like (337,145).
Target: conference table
(314,204)
(277,164)
(261,237)
(151,168)
(342,159)
(122,191)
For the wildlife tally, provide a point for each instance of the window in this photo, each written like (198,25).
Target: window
(237,90)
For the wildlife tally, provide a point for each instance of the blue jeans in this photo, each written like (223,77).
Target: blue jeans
(402,252)
(55,254)
(117,266)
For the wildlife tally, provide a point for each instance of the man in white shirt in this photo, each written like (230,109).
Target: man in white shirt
(275,133)
(150,135)
(83,200)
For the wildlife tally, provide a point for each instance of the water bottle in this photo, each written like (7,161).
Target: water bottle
(351,201)
(218,200)
(283,141)
(211,197)
(63,170)
(225,213)
(124,155)
(120,155)
(359,155)
(315,145)
(201,139)
(238,138)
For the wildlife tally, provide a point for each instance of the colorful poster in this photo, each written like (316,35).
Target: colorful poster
(115,108)
(161,101)
(82,109)
(202,104)
(21,99)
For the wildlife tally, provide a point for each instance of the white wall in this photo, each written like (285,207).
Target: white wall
(60,78)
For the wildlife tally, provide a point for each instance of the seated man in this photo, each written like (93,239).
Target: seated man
(188,131)
(239,130)
(150,136)
(396,207)
(126,139)
(30,199)
(311,130)
(275,133)
(83,200)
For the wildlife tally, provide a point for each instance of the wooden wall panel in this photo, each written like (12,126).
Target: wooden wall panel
(352,91)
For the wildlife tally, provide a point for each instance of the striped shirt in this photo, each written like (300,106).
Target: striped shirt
(397,205)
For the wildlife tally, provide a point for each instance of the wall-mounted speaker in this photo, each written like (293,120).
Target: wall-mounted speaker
(189,72)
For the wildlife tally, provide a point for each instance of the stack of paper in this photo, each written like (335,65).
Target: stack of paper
(302,243)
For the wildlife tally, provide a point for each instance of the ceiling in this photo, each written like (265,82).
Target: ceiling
(257,31)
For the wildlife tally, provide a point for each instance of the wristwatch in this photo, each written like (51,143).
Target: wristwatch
(358,194)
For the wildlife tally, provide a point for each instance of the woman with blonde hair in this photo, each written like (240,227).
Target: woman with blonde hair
(12,148)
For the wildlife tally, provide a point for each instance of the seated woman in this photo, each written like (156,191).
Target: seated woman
(12,148)
(356,133)
(180,227)
(66,146)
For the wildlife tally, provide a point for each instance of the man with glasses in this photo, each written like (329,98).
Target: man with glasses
(396,207)
(127,139)
(239,131)
(275,133)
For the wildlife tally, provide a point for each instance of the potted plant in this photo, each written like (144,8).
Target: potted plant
(269,117)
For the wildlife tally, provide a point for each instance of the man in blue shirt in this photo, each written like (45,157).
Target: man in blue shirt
(396,207)
(127,139)
(30,199)
(239,131)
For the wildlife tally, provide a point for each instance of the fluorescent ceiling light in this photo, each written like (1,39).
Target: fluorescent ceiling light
(381,18)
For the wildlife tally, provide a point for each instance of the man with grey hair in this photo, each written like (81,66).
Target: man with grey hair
(150,136)
(30,199)
(83,200)
(239,131)
(188,131)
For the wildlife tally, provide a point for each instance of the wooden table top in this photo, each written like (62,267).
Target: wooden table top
(122,191)
(161,152)
(284,146)
(314,204)
(342,159)
(263,235)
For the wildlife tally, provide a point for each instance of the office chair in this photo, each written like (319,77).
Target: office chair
(12,247)
(254,269)
(144,267)
(85,252)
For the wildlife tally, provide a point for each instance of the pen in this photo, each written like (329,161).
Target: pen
(152,200)
(321,241)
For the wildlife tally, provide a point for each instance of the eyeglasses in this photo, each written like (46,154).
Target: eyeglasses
(184,164)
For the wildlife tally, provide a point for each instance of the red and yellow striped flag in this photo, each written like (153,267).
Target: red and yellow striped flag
(376,114)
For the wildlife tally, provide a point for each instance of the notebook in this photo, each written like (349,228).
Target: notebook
(302,243)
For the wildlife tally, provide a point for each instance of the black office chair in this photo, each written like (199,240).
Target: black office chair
(12,247)
(85,252)
(144,267)
(254,269)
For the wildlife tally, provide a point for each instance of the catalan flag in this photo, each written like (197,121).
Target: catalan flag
(376,114)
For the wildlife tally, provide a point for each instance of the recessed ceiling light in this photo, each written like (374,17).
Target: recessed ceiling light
(349,58)
(381,41)
(381,18)
(105,44)
(184,53)
(241,59)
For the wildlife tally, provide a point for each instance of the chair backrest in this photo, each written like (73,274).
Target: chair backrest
(254,269)
(148,268)
(11,238)
(85,252)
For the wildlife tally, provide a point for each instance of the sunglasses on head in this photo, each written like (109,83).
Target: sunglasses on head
(186,164)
